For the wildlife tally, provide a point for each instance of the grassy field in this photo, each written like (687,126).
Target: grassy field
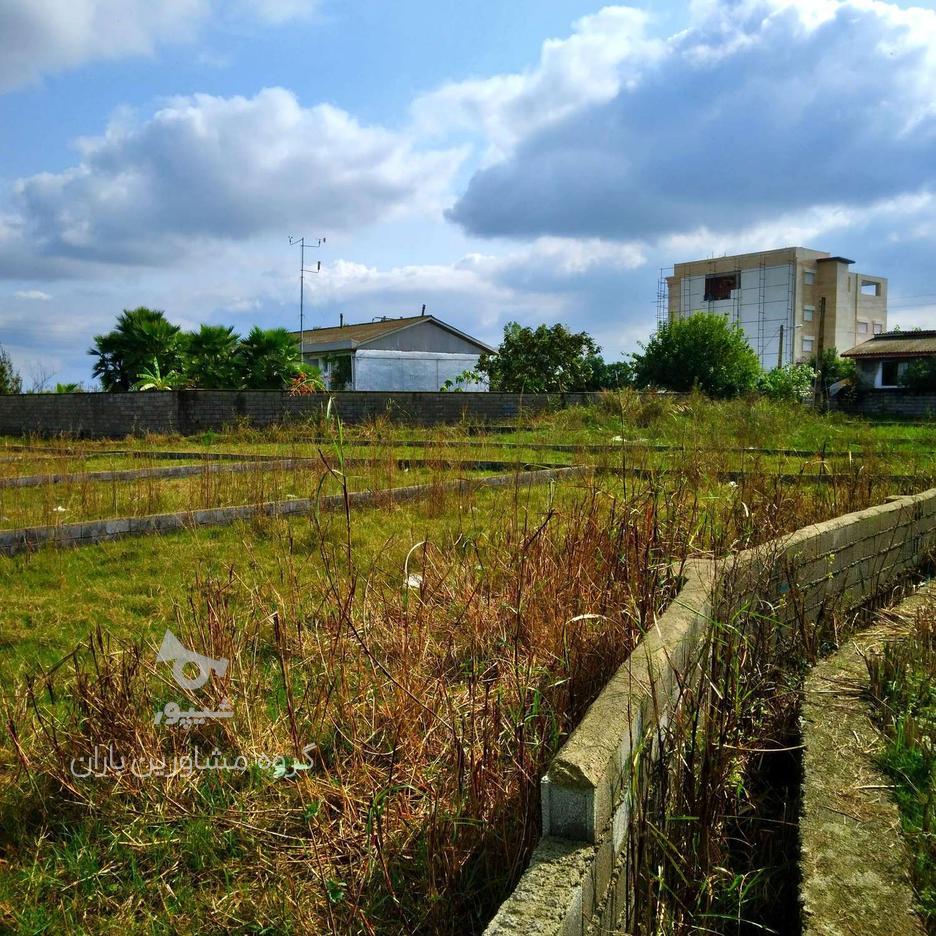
(400,676)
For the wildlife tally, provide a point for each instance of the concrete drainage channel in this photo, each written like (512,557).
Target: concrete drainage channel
(96,531)
(580,876)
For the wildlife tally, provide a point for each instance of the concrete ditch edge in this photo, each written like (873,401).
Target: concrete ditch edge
(586,790)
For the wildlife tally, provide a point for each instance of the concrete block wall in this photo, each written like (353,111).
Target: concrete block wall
(114,415)
(88,414)
(898,404)
(574,884)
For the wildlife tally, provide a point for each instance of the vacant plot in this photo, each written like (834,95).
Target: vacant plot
(399,675)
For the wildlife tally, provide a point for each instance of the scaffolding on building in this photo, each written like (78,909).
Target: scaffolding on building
(762,303)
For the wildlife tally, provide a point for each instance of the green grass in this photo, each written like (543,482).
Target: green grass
(434,709)
(904,694)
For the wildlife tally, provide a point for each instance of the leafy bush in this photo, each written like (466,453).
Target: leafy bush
(832,368)
(920,374)
(790,382)
(703,350)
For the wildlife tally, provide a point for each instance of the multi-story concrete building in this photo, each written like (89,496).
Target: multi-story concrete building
(777,298)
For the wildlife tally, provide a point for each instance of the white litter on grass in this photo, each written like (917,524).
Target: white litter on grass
(617,438)
(414,580)
(59,509)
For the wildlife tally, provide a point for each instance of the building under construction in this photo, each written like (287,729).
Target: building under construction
(791,303)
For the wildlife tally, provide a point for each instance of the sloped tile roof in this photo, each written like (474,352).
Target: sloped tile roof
(895,344)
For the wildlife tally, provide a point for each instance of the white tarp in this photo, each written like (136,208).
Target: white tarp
(411,370)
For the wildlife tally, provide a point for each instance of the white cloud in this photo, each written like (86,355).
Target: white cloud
(593,64)
(38,37)
(226,168)
(36,295)
(761,107)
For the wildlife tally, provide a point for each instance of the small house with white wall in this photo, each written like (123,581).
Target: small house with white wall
(882,360)
(416,353)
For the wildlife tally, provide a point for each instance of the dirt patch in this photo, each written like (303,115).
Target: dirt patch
(855,868)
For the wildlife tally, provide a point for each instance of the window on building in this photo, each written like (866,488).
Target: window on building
(862,328)
(870,288)
(719,286)
(807,344)
(809,313)
(890,373)
(809,277)
(878,328)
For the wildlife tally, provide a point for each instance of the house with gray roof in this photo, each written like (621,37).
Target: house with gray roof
(882,360)
(420,352)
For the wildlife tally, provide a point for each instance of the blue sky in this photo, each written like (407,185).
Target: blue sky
(525,160)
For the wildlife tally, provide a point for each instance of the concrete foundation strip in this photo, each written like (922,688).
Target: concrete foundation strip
(574,884)
(604,447)
(272,463)
(188,471)
(95,531)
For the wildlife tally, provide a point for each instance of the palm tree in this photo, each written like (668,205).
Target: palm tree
(268,359)
(142,336)
(211,357)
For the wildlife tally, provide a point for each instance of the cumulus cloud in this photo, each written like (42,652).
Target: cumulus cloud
(230,168)
(42,36)
(593,64)
(760,107)
(35,295)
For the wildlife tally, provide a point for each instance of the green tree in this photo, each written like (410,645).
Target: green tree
(10,380)
(829,368)
(542,360)
(141,337)
(268,359)
(210,357)
(702,350)
(68,388)
(612,376)
(920,374)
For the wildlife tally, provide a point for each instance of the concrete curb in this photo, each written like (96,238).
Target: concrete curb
(187,471)
(95,531)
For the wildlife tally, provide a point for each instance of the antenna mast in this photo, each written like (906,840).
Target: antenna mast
(302,272)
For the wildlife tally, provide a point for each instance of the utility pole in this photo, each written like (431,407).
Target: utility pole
(302,272)
(820,348)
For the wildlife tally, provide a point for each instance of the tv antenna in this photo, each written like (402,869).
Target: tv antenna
(302,272)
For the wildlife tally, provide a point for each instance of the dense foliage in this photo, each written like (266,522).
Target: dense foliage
(10,380)
(147,352)
(920,374)
(790,382)
(211,357)
(142,336)
(703,351)
(549,359)
(831,368)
